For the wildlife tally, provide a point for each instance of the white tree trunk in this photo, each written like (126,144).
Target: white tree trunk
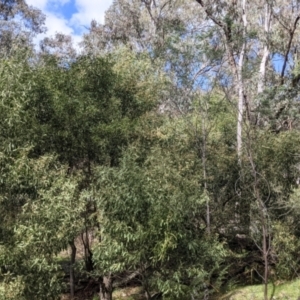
(266,51)
(241,93)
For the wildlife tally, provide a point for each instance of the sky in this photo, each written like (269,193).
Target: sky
(71,17)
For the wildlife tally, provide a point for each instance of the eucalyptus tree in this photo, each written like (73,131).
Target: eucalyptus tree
(59,45)
(19,23)
(250,41)
(176,36)
(172,32)
(232,43)
(254,35)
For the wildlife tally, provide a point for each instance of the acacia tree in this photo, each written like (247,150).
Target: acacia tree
(58,121)
(151,208)
(21,180)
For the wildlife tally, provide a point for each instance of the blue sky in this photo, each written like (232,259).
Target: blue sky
(71,16)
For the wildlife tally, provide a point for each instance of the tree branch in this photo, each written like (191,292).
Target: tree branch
(292,32)
(226,29)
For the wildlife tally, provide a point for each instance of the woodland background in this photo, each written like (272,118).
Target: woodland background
(166,148)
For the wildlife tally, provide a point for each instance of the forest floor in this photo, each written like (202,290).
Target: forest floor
(284,291)
(281,291)
(86,290)
(128,293)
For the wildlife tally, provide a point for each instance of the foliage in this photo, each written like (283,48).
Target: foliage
(57,122)
(19,23)
(172,137)
(285,245)
(151,221)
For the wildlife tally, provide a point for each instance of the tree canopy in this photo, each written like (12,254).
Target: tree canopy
(164,154)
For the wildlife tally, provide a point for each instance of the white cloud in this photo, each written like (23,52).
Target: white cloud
(87,10)
(57,24)
(41,4)
(55,21)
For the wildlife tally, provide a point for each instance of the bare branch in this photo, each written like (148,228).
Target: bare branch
(292,32)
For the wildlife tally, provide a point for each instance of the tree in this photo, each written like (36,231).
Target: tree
(151,224)
(58,121)
(172,138)
(173,33)
(19,23)
(60,45)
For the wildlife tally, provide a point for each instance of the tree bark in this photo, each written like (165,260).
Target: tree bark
(236,68)
(266,261)
(72,274)
(286,56)
(88,255)
(106,288)
(266,51)
(241,93)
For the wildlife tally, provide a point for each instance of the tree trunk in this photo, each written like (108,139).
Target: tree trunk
(72,274)
(106,288)
(266,241)
(265,57)
(88,254)
(241,92)
(287,52)
(204,174)
(266,51)
(266,262)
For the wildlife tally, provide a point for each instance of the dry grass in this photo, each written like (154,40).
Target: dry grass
(78,296)
(128,293)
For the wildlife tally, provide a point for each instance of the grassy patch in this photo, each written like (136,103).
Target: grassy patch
(284,291)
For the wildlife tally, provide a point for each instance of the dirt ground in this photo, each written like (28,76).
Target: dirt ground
(128,293)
